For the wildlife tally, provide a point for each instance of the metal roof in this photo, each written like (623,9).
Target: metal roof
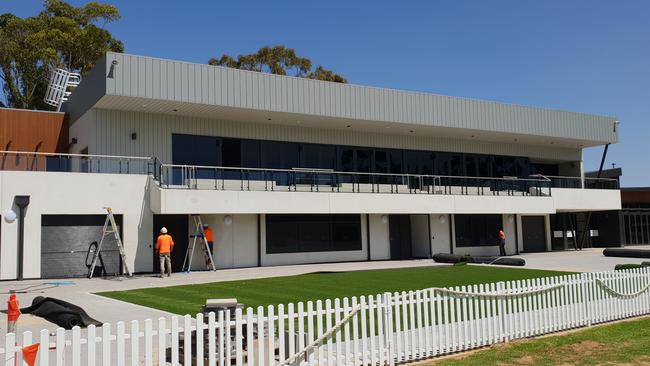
(147,84)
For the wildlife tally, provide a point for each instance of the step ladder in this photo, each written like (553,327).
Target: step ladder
(106,231)
(199,235)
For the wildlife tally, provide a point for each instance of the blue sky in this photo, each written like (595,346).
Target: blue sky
(579,55)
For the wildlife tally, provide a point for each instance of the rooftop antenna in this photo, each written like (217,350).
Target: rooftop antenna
(58,89)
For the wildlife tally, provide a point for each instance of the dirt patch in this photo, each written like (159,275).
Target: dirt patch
(585,348)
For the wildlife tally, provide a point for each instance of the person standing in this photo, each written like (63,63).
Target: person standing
(164,247)
(209,237)
(502,243)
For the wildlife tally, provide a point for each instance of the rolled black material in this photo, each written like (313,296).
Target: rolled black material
(627,253)
(620,267)
(456,258)
(59,312)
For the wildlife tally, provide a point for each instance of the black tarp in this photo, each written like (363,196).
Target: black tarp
(59,312)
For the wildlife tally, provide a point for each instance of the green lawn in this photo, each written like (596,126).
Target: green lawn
(188,299)
(625,343)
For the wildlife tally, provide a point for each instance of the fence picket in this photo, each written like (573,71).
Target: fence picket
(212,342)
(148,343)
(400,326)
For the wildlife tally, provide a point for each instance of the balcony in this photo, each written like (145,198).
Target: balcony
(321,180)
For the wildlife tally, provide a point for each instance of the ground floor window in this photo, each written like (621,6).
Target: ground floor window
(477,230)
(312,233)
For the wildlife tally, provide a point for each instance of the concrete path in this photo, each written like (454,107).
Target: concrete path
(80,291)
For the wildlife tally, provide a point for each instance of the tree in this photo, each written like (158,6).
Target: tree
(60,36)
(278,60)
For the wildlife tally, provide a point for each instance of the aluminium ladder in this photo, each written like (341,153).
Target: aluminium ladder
(106,231)
(199,234)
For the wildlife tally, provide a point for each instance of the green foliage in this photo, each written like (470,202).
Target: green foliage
(278,60)
(322,285)
(60,36)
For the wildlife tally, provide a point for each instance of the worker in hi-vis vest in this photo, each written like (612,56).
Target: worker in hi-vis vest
(502,243)
(209,237)
(164,247)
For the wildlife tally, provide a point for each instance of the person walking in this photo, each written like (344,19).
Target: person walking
(502,243)
(164,247)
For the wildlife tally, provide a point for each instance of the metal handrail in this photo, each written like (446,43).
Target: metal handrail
(326,172)
(75,155)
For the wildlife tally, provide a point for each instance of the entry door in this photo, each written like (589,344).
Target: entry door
(533,233)
(177,227)
(400,237)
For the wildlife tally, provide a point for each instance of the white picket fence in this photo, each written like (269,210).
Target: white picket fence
(367,330)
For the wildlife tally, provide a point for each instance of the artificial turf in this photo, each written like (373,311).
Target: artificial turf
(187,299)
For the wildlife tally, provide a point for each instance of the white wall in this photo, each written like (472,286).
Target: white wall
(235,245)
(379,238)
(55,193)
(567,199)
(420,240)
(185,201)
(440,234)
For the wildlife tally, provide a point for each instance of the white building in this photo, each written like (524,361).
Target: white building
(289,170)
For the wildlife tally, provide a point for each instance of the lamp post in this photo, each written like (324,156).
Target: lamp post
(22,202)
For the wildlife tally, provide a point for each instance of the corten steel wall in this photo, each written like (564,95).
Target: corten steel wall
(33,131)
(635,196)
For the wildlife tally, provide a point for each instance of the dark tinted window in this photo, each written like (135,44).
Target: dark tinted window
(312,233)
(477,230)
(231,152)
(280,155)
(317,156)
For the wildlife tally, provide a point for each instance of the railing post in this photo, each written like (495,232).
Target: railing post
(388,326)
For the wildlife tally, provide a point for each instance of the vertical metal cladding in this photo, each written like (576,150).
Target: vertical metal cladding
(197,83)
(154,133)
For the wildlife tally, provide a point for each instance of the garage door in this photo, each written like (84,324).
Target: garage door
(65,243)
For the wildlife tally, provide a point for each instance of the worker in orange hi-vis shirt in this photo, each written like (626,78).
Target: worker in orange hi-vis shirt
(13,312)
(164,247)
(209,237)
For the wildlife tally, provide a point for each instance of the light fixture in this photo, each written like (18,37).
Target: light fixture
(268,119)
(442,219)
(348,126)
(10,216)
(384,219)
(134,136)
(174,110)
(411,131)
(227,219)
(511,218)
(73,141)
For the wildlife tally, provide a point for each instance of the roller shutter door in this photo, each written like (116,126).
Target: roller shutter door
(65,243)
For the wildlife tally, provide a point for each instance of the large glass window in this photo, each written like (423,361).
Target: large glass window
(232,152)
(312,233)
(477,230)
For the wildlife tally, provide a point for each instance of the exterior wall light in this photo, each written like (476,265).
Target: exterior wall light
(511,218)
(384,219)
(442,219)
(10,216)
(227,219)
